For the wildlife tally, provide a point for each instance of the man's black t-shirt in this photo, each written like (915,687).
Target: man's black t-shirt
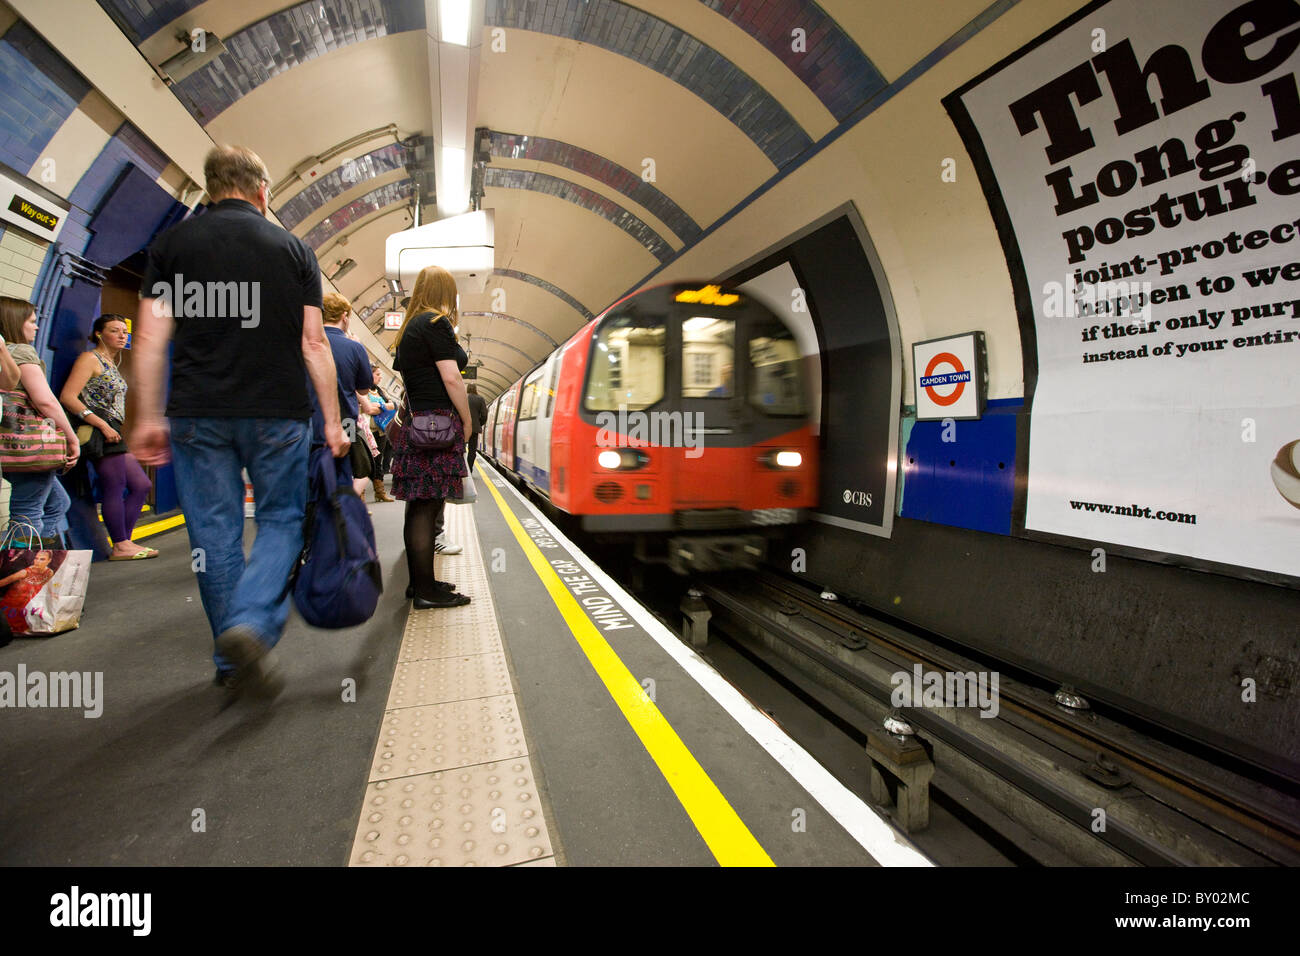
(237,284)
(423,345)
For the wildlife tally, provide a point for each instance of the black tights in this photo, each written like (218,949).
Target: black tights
(420,534)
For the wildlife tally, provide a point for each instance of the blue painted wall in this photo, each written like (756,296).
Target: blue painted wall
(968,482)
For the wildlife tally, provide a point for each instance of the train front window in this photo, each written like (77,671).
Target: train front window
(708,357)
(776,378)
(627,365)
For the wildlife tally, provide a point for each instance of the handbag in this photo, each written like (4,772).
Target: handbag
(42,590)
(92,440)
(426,431)
(28,440)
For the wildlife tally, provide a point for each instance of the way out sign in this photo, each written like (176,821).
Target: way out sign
(950,376)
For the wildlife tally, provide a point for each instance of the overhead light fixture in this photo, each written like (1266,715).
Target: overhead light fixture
(190,60)
(453,18)
(344,267)
(463,245)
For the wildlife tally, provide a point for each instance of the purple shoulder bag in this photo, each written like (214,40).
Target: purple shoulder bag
(426,431)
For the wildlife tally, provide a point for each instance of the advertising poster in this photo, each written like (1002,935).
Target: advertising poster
(1142,161)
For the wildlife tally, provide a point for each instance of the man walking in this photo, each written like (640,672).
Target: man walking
(242,299)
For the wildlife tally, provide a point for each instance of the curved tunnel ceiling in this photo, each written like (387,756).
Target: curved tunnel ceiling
(619,132)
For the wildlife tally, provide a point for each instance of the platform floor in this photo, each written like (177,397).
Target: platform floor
(552,721)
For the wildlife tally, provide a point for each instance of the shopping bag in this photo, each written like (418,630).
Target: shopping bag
(29,441)
(43,590)
(468,493)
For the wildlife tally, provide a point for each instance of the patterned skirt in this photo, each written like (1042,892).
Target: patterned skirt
(424,475)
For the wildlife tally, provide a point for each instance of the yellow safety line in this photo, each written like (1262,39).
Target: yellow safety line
(721,827)
(157,527)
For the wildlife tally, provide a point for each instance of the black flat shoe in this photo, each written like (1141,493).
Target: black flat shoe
(445,585)
(444,599)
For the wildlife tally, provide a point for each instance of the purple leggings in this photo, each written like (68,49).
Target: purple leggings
(123,488)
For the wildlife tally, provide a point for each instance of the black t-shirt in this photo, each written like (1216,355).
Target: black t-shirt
(237,284)
(423,345)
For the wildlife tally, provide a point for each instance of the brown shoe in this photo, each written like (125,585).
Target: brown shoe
(380,494)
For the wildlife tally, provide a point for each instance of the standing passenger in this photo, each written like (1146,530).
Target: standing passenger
(36,498)
(352,365)
(379,466)
(95,392)
(243,298)
(430,362)
(478,409)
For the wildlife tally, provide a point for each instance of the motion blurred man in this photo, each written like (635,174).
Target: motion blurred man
(242,299)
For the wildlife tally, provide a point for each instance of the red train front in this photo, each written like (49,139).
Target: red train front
(680,414)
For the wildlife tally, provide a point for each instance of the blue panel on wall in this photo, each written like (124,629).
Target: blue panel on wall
(128,147)
(968,482)
(130,212)
(128,218)
(78,305)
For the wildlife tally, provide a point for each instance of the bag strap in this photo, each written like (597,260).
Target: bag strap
(13,527)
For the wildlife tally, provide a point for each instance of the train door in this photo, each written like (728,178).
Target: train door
(545,415)
(490,431)
(499,426)
(506,449)
(526,428)
(710,384)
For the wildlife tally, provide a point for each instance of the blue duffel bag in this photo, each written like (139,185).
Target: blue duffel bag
(337,580)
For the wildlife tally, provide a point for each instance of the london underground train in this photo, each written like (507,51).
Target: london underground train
(679,416)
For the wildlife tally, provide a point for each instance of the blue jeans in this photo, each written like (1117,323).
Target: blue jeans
(207,454)
(38,498)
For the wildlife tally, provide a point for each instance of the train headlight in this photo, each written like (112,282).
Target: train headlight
(622,459)
(782,459)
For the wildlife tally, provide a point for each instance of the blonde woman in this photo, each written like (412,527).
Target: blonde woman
(429,360)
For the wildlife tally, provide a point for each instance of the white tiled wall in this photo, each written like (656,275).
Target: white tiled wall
(21,257)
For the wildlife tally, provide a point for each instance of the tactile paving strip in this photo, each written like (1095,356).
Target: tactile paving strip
(449,678)
(451,783)
(488,815)
(445,736)
(448,640)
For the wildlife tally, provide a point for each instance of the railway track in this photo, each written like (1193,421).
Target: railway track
(1063,785)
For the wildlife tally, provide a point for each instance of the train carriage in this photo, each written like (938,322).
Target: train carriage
(679,415)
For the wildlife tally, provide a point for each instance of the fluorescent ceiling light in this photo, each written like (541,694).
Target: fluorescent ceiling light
(453,17)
